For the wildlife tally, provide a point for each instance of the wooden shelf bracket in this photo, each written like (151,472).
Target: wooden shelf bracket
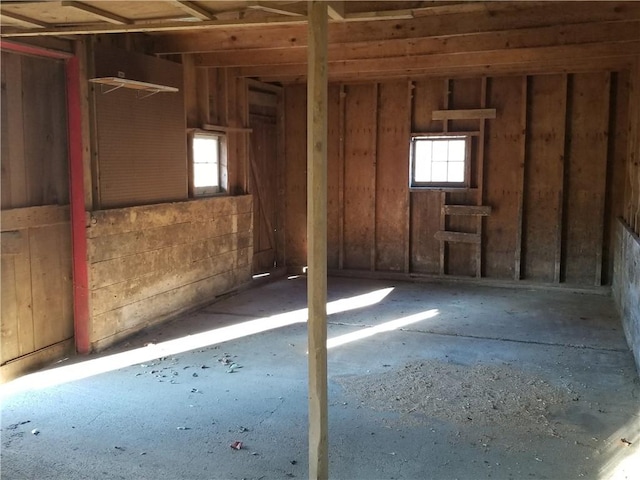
(116,83)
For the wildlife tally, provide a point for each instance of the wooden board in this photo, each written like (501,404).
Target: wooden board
(586,176)
(502,178)
(296,153)
(544,172)
(359,216)
(334,173)
(392,176)
(36,293)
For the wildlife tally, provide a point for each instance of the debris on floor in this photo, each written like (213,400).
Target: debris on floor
(236,445)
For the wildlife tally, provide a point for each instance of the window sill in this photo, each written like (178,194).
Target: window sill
(442,189)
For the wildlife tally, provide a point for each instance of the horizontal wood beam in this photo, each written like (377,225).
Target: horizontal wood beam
(527,38)
(557,17)
(442,62)
(98,12)
(533,68)
(469,114)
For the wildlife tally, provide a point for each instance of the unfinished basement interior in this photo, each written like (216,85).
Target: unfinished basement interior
(326,239)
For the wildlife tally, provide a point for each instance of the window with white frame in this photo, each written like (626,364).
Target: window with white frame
(440,161)
(209,163)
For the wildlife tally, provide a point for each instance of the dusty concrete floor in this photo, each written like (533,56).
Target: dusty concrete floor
(425,381)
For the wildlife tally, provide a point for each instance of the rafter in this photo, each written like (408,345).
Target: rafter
(335,9)
(194,10)
(271,8)
(98,12)
(29,22)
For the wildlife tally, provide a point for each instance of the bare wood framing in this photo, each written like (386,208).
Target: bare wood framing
(98,12)
(374,154)
(317,239)
(194,10)
(480,180)
(342,107)
(557,269)
(407,226)
(602,206)
(517,270)
(469,114)
(29,22)
(336,9)
(272,8)
(222,128)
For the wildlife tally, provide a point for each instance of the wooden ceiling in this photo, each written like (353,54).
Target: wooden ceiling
(367,39)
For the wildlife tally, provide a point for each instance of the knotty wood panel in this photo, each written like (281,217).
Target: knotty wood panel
(544,176)
(392,176)
(296,153)
(34,132)
(502,175)
(586,176)
(428,95)
(360,174)
(335,171)
(149,263)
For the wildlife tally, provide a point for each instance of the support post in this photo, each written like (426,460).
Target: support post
(317,239)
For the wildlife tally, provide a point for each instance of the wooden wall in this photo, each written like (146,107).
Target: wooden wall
(548,166)
(36,287)
(151,262)
(34,132)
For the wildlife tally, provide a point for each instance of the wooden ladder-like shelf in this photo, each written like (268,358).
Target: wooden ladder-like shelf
(462,237)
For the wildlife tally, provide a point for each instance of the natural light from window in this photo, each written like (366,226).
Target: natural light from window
(438,160)
(206,164)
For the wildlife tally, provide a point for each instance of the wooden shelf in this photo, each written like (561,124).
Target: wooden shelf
(458,237)
(470,114)
(477,210)
(117,83)
(221,128)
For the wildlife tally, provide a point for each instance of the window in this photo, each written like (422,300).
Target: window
(209,172)
(440,161)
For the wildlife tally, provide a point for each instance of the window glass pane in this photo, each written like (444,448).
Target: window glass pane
(206,150)
(440,150)
(422,161)
(439,172)
(457,150)
(456,172)
(205,175)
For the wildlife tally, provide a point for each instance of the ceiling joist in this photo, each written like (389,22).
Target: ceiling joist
(98,12)
(276,9)
(26,21)
(194,10)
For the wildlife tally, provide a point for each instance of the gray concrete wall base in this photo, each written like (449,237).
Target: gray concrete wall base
(626,286)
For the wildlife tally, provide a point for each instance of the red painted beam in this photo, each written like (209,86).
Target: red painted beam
(78,228)
(34,50)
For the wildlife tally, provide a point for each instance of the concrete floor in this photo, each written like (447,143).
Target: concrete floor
(425,381)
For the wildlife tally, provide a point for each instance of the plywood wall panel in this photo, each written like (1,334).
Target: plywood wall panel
(296,178)
(335,171)
(428,95)
(392,176)
(360,174)
(586,176)
(502,175)
(544,176)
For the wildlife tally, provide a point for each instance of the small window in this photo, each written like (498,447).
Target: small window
(209,164)
(440,161)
